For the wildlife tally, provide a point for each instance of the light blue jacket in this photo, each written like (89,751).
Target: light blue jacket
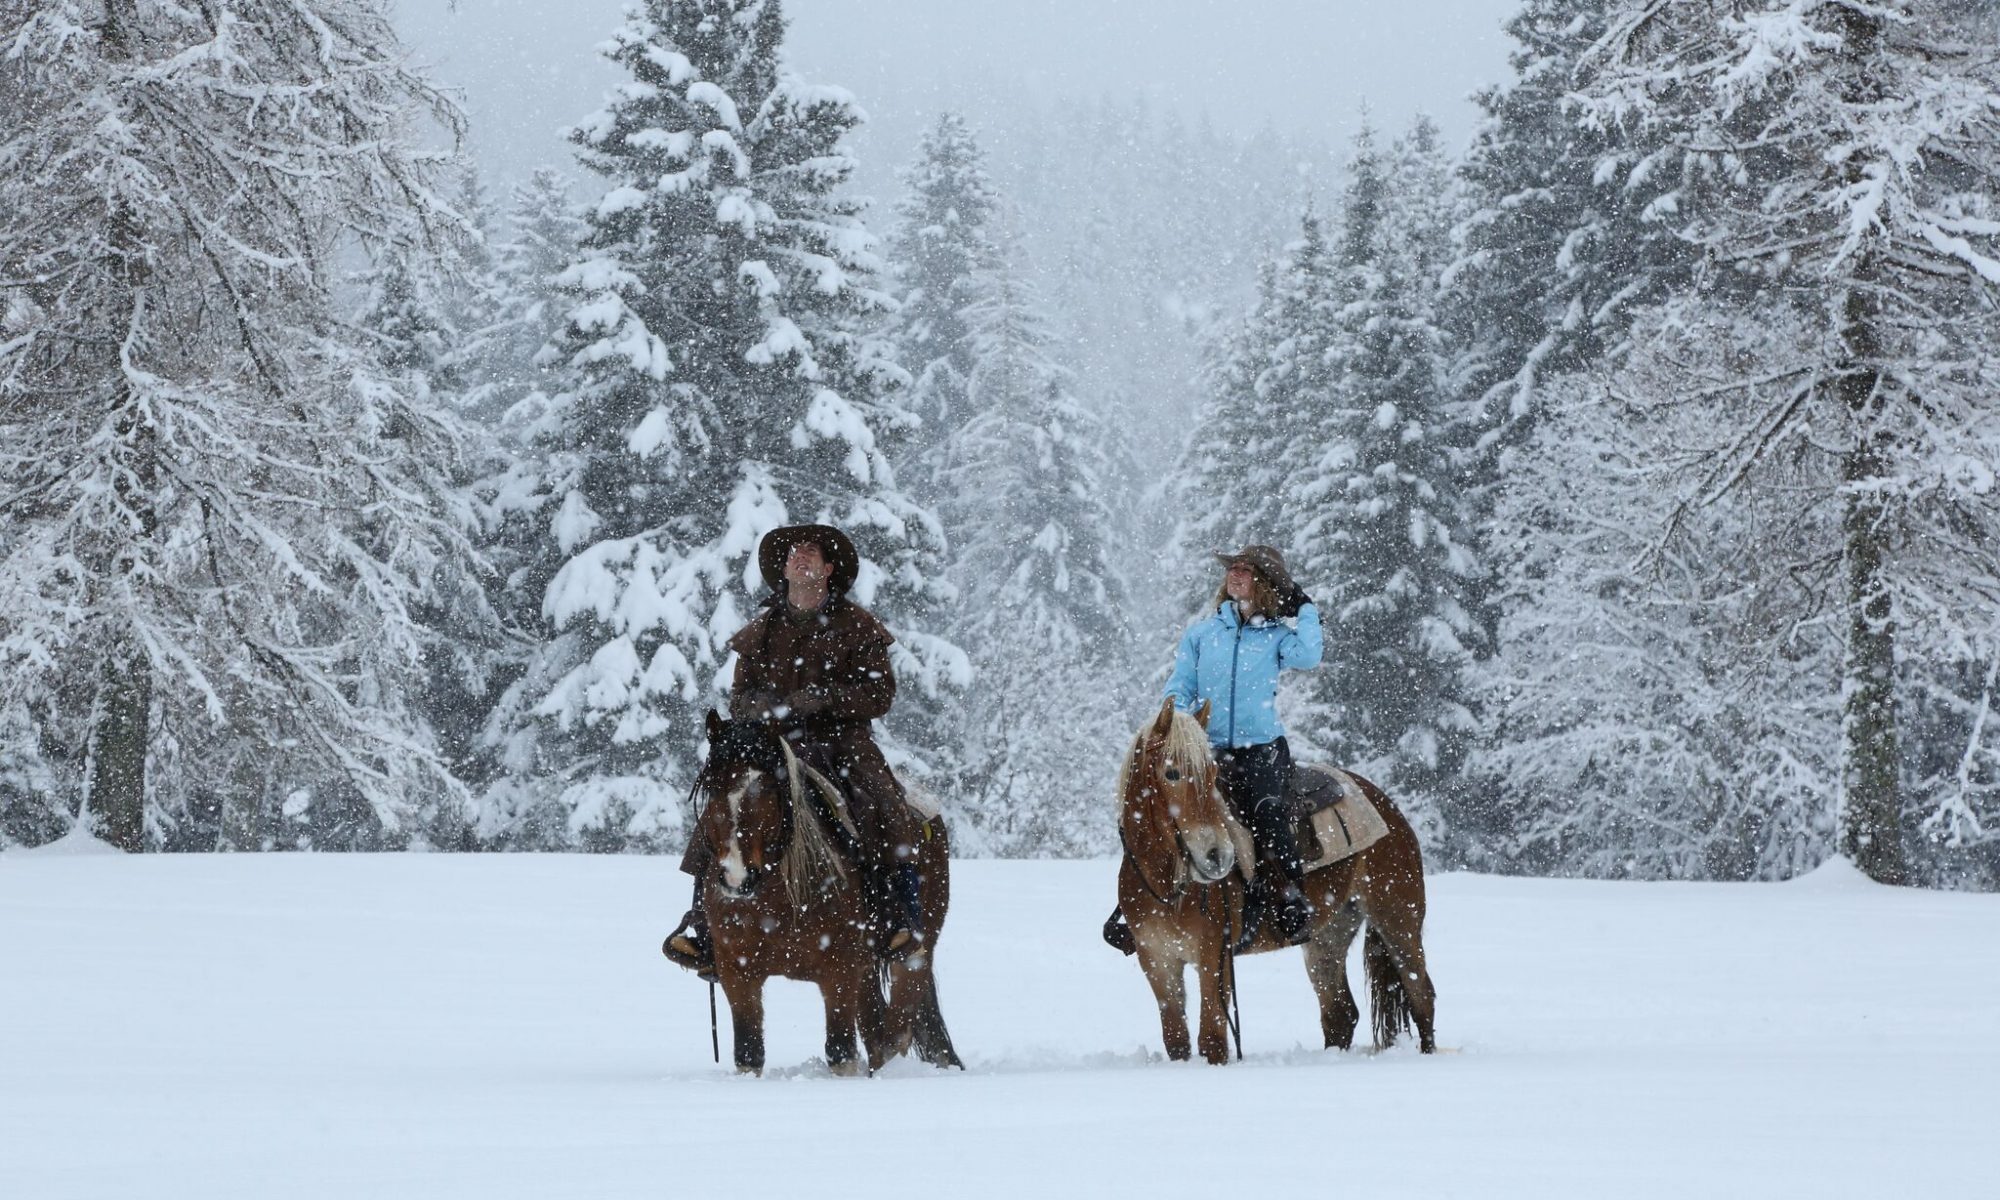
(1234,666)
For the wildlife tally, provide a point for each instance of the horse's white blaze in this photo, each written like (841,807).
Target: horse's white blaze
(1211,852)
(737,793)
(734,871)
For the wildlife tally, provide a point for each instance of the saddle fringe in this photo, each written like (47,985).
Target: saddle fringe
(812,862)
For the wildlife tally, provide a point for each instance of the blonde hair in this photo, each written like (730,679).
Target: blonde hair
(1263,597)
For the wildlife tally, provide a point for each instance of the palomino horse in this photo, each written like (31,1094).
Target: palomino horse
(1180,889)
(782,899)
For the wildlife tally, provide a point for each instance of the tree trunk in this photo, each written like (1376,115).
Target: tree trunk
(119,740)
(123,729)
(1871,832)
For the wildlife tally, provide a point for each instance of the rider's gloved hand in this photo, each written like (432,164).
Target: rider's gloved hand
(760,705)
(809,701)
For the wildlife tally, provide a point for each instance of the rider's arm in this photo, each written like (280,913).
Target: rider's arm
(1301,648)
(1181,684)
(862,690)
(750,694)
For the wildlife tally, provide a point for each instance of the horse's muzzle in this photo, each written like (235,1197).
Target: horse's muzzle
(753,878)
(1211,854)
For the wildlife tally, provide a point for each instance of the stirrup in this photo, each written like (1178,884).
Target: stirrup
(689,946)
(1295,921)
(1118,934)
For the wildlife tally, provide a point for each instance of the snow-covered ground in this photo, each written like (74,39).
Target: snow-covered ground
(306,1026)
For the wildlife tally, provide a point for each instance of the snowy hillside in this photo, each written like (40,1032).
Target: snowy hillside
(491,1026)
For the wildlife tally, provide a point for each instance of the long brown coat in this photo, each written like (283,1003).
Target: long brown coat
(823,676)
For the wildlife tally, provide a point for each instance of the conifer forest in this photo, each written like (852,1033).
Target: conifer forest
(1640,453)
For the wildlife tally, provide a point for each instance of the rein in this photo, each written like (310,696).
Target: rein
(1180,887)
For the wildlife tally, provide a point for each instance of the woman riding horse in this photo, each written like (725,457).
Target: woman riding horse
(816,664)
(1263,624)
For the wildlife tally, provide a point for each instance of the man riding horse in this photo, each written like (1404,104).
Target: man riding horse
(816,664)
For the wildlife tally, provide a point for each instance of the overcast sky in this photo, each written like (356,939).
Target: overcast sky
(1304,67)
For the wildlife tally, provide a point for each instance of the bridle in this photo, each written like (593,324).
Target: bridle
(775,770)
(1183,860)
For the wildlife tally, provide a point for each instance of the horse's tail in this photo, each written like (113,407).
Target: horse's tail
(1389,1011)
(932,1039)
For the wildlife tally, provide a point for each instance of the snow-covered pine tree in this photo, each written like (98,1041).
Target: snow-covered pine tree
(1266,378)
(544,230)
(187,426)
(941,246)
(1842,160)
(1044,609)
(1555,257)
(724,388)
(1227,472)
(423,312)
(1660,706)
(475,301)
(1373,504)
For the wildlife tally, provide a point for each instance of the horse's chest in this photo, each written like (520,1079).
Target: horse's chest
(791,944)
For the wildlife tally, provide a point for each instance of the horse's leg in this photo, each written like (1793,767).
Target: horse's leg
(884,1031)
(1326,967)
(1214,998)
(746,1019)
(913,993)
(1164,973)
(842,1011)
(899,1013)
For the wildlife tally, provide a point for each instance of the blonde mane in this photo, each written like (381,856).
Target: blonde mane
(1187,742)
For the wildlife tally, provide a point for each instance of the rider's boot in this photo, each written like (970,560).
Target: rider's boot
(1118,935)
(1294,911)
(902,916)
(1295,915)
(1278,896)
(689,945)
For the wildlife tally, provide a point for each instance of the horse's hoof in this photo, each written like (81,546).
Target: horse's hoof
(742,1070)
(846,1070)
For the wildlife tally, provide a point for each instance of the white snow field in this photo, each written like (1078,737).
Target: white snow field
(301,1026)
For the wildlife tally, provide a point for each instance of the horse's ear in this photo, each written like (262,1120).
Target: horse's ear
(1201,714)
(714,724)
(1166,718)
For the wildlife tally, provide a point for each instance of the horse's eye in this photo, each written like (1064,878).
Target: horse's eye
(1173,776)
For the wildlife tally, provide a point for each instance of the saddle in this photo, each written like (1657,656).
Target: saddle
(1331,816)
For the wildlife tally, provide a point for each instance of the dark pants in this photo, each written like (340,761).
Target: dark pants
(1255,779)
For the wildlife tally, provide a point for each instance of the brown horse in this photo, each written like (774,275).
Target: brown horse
(784,898)
(1180,889)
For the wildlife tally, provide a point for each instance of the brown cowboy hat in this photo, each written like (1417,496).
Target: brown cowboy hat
(1266,561)
(833,546)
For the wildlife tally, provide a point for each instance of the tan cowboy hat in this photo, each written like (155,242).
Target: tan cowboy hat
(1266,561)
(833,546)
